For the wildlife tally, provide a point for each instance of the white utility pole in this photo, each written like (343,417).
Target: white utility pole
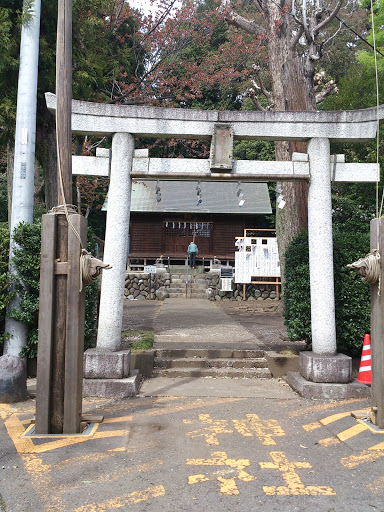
(24,163)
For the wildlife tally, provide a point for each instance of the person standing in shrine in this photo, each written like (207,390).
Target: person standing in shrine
(192,251)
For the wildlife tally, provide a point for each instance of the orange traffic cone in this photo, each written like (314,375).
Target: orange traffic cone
(365,365)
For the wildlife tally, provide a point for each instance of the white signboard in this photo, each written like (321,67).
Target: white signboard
(150,269)
(256,257)
(226,284)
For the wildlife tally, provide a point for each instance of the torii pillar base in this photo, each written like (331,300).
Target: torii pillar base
(325,376)
(107,374)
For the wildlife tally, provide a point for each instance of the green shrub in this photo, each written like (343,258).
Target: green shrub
(26,261)
(4,291)
(352,296)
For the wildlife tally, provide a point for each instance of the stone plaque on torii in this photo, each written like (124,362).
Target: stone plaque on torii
(318,167)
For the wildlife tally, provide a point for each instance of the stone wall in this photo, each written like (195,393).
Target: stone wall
(252,291)
(142,286)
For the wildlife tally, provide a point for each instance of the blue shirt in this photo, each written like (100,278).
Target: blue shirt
(192,248)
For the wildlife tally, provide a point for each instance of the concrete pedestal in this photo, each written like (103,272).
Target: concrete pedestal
(113,388)
(326,368)
(102,364)
(106,374)
(326,377)
(326,390)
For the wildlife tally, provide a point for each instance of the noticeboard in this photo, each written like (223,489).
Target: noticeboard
(150,269)
(226,284)
(256,256)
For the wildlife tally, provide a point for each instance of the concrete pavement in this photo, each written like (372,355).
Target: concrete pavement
(197,445)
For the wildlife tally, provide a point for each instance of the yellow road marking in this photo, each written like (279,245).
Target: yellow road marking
(16,428)
(351,432)
(232,469)
(331,419)
(120,419)
(377,486)
(335,417)
(42,482)
(312,426)
(379,446)
(189,406)
(370,455)
(5,410)
(323,407)
(295,486)
(211,430)
(124,501)
(329,441)
(263,430)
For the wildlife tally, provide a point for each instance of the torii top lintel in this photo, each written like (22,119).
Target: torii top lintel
(106,119)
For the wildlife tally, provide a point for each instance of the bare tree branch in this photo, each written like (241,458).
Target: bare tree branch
(255,99)
(261,85)
(328,20)
(333,35)
(239,21)
(329,89)
(296,37)
(257,4)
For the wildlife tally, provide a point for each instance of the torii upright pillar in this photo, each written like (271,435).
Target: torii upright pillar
(323,366)
(106,368)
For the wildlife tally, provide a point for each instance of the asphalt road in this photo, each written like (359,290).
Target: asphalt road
(210,445)
(193,454)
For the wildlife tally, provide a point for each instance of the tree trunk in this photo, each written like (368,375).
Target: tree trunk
(47,155)
(292,90)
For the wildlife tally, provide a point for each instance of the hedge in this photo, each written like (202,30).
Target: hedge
(26,261)
(352,296)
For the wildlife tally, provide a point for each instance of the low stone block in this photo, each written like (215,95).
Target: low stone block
(113,388)
(143,361)
(13,379)
(327,391)
(280,364)
(100,364)
(326,368)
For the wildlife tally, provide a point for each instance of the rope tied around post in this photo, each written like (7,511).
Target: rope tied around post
(368,267)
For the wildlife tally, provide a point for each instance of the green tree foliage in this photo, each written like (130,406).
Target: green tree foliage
(5,296)
(103,41)
(10,13)
(26,261)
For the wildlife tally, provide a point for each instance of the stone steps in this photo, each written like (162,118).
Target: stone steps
(181,295)
(196,288)
(239,373)
(187,362)
(250,364)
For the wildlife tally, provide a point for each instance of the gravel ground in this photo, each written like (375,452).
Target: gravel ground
(262,318)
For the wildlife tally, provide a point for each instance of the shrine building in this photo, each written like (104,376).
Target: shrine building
(166,215)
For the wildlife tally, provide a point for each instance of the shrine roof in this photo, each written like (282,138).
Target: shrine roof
(216,197)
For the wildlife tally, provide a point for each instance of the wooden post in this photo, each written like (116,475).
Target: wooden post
(62,305)
(46,322)
(64,98)
(377,328)
(61,327)
(74,347)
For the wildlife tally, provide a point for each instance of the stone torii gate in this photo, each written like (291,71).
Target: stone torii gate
(317,167)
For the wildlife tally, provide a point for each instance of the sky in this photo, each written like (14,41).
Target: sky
(145,5)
